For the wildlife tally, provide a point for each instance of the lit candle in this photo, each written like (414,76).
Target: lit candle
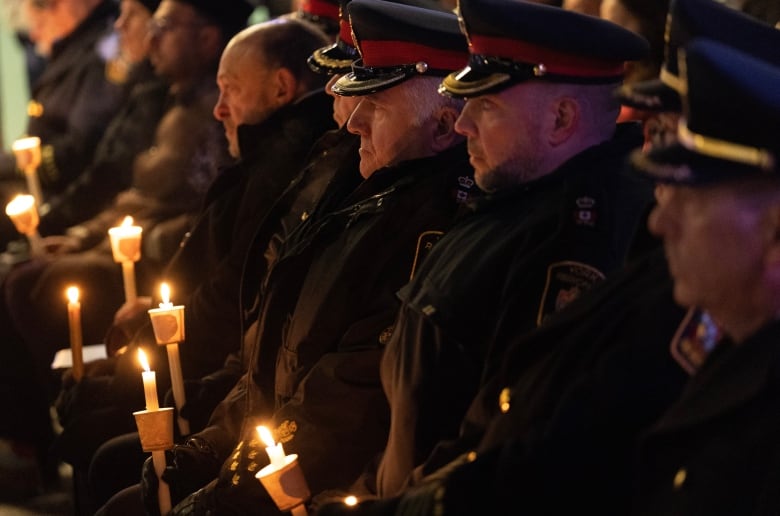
(274,450)
(74,325)
(168,326)
(150,382)
(126,249)
(28,156)
(21,210)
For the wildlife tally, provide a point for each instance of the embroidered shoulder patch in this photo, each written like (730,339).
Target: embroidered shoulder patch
(565,282)
(585,211)
(425,243)
(694,339)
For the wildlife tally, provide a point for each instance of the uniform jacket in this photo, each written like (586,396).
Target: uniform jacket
(111,169)
(522,255)
(343,267)
(716,451)
(73,100)
(556,428)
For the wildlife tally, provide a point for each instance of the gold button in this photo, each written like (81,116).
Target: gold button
(679,478)
(505,399)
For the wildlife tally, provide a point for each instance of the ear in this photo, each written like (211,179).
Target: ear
(566,118)
(210,39)
(444,135)
(286,86)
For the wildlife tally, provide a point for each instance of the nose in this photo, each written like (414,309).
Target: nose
(357,121)
(465,123)
(330,84)
(220,108)
(661,220)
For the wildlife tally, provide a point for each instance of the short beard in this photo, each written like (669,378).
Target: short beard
(510,174)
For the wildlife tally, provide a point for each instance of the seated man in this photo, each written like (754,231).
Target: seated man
(559,214)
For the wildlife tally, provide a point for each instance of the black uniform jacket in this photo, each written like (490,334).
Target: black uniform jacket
(716,451)
(336,284)
(555,430)
(521,256)
(73,100)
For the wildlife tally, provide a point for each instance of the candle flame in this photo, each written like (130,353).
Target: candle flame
(20,204)
(265,436)
(127,221)
(73,294)
(350,500)
(165,293)
(143,360)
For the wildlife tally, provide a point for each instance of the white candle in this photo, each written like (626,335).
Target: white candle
(74,325)
(126,241)
(150,382)
(165,294)
(274,450)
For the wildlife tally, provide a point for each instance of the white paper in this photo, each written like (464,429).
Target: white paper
(63,359)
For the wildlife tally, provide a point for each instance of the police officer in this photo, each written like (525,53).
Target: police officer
(558,215)
(715,451)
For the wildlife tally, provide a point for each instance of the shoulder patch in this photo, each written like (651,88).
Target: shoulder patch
(565,282)
(694,339)
(425,243)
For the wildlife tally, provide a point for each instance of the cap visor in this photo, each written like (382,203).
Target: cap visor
(652,95)
(469,82)
(330,60)
(679,165)
(351,86)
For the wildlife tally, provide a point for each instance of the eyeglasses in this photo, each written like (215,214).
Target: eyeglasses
(159,26)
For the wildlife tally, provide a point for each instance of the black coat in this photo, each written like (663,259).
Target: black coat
(334,307)
(522,255)
(716,450)
(111,168)
(73,100)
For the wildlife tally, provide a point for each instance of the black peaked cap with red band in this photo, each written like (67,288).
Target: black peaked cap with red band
(689,19)
(719,139)
(511,41)
(397,42)
(338,57)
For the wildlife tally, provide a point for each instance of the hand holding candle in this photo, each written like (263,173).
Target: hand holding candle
(283,478)
(28,157)
(126,249)
(74,325)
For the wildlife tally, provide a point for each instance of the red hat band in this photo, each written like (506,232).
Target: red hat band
(555,62)
(381,54)
(345,33)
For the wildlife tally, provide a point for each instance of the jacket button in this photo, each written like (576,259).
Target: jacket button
(505,400)
(679,478)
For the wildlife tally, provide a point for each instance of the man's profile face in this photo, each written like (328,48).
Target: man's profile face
(246,91)
(714,245)
(132,27)
(173,32)
(390,129)
(504,135)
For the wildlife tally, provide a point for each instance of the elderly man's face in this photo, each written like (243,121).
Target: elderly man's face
(504,132)
(715,242)
(245,91)
(391,129)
